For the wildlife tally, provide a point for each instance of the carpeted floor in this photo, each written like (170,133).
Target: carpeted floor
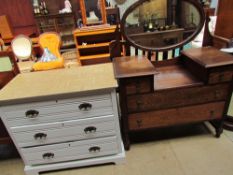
(188,150)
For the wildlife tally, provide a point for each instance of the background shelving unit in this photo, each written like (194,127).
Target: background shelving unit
(63,24)
(92,43)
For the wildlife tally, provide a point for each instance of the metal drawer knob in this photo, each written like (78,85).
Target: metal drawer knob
(85,106)
(48,156)
(212,114)
(40,136)
(90,129)
(31,113)
(94,149)
(221,77)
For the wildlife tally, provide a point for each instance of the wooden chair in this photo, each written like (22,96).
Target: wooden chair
(8,70)
(52,41)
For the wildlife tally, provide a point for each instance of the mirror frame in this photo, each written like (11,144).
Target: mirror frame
(170,47)
(84,16)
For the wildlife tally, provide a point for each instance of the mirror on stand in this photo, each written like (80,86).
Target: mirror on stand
(162,24)
(93,12)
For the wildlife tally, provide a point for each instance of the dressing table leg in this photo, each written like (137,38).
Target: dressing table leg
(125,133)
(218,125)
(219,131)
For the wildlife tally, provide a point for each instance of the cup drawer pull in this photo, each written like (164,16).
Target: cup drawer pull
(31,113)
(85,106)
(94,149)
(48,156)
(90,129)
(40,136)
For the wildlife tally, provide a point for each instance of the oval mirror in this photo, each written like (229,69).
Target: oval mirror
(158,25)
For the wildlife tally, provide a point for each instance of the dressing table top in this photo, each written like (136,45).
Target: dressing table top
(132,66)
(208,57)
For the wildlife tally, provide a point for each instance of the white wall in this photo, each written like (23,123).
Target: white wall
(124,6)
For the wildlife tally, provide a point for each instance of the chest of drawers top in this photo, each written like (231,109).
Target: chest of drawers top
(60,83)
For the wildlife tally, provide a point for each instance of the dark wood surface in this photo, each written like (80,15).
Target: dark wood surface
(174,76)
(224,25)
(175,116)
(20,14)
(175,91)
(176,98)
(132,66)
(209,57)
(6,77)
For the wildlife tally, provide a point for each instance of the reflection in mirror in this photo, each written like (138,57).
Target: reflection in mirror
(93,11)
(162,23)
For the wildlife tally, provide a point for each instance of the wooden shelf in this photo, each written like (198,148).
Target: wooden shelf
(88,57)
(98,39)
(88,46)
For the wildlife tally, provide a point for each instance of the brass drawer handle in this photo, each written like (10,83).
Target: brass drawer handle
(94,149)
(137,86)
(139,123)
(48,156)
(31,113)
(139,103)
(217,94)
(40,136)
(90,129)
(221,77)
(85,106)
(212,114)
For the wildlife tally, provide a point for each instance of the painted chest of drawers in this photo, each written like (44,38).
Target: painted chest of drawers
(195,87)
(63,118)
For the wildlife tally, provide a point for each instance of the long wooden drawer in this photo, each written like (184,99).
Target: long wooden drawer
(70,151)
(64,131)
(176,116)
(31,114)
(176,98)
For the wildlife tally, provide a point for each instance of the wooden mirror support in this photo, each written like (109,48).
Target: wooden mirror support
(95,8)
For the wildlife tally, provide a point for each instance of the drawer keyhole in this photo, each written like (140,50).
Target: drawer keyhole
(94,149)
(48,156)
(221,77)
(40,136)
(85,106)
(90,129)
(139,103)
(32,113)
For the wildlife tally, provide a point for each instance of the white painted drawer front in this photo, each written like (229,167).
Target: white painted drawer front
(71,151)
(64,131)
(61,112)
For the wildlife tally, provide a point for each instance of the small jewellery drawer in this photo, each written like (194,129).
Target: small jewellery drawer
(64,131)
(70,151)
(138,85)
(220,75)
(57,112)
(168,117)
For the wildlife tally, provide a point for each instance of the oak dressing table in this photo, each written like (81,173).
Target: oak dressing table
(193,87)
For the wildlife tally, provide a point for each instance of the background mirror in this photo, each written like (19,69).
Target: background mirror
(162,23)
(93,12)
